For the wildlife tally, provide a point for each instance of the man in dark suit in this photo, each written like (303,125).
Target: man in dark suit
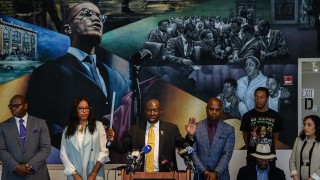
(251,46)
(24,144)
(54,85)
(180,50)
(273,42)
(167,137)
(262,169)
(160,35)
(214,144)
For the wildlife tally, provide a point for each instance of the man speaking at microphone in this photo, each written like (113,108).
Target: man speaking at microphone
(214,144)
(162,136)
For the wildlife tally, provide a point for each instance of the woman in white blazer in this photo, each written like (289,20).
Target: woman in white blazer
(83,145)
(304,162)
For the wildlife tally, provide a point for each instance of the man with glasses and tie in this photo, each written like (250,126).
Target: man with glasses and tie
(162,136)
(24,144)
(83,71)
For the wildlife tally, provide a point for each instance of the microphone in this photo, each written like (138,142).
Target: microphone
(185,151)
(168,165)
(140,57)
(146,149)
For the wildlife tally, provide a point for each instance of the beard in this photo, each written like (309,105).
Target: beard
(91,40)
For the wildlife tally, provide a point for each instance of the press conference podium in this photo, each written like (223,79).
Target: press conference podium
(181,175)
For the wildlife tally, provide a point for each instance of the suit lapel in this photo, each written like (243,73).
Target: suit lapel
(181,47)
(87,138)
(161,137)
(74,141)
(217,135)
(14,128)
(29,128)
(205,137)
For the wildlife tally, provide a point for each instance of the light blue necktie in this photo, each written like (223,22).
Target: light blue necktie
(22,131)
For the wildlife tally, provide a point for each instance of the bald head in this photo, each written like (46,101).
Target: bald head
(153,111)
(214,109)
(19,97)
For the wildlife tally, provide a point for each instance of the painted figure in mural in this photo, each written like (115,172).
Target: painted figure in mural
(231,104)
(83,145)
(160,35)
(315,12)
(255,118)
(207,47)
(35,12)
(235,27)
(83,71)
(262,169)
(249,83)
(178,29)
(180,50)
(251,15)
(162,136)
(251,46)
(212,153)
(304,162)
(159,38)
(24,144)
(277,99)
(273,42)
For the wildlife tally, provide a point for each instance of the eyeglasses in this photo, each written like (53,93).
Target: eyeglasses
(14,106)
(83,108)
(88,13)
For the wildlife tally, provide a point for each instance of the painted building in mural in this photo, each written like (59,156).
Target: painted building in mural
(17,40)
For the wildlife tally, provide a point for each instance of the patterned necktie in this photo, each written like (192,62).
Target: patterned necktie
(22,131)
(89,60)
(150,155)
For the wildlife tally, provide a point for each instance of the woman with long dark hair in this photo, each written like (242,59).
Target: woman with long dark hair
(83,145)
(304,162)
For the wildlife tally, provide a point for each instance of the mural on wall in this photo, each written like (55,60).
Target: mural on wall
(182,53)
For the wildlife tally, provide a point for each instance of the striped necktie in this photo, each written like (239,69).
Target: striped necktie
(150,155)
(89,60)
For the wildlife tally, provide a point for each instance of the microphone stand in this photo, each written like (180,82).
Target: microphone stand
(136,99)
(137,60)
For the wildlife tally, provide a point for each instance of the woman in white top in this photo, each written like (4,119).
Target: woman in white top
(304,162)
(83,145)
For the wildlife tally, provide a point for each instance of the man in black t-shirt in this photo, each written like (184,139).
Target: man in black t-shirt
(260,125)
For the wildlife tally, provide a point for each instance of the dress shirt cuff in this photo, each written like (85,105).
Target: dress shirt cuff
(103,156)
(293,172)
(109,143)
(315,176)
(69,170)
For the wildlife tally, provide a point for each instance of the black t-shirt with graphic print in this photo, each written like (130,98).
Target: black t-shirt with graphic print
(260,127)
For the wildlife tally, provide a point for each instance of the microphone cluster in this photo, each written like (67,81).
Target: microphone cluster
(186,154)
(135,158)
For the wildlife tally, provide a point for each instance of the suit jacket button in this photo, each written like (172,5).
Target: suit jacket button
(107,103)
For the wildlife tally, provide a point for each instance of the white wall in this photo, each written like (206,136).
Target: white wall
(237,161)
